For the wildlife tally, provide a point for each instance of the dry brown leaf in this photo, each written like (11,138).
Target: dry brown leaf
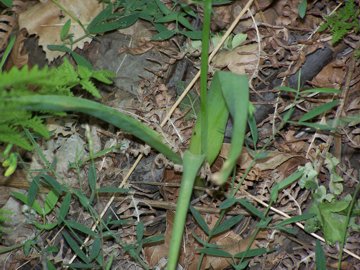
(240,60)
(7,23)
(46,21)
(273,160)
(330,76)
(18,56)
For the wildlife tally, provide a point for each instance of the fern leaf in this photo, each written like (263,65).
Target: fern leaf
(90,87)
(36,124)
(12,136)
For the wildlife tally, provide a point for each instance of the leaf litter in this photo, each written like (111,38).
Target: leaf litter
(143,68)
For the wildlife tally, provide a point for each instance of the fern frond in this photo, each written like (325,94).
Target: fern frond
(90,87)
(13,136)
(35,124)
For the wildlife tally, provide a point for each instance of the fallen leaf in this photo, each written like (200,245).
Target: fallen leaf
(46,20)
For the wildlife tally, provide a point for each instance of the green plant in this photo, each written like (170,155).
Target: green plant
(343,22)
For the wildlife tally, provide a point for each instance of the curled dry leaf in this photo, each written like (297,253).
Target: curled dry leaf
(7,24)
(18,56)
(240,60)
(46,21)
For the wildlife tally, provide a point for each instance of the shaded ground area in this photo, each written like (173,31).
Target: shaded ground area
(280,53)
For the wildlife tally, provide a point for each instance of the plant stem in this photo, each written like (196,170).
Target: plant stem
(342,245)
(204,75)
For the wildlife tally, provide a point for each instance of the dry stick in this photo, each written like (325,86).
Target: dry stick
(297,223)
(167,117)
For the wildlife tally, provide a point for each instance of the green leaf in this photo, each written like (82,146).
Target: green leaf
(64,208)
(82,266)
(253,129)
(264,223)
(60,48)
(226,225)
(23,198)
(215,252)
(320,258)
(195,35)
(319,110)
(163,35)
(199,219)
(284,183)
(251,208)
(7,3)
(33,190)
(50,202)
(302,8)
(45,226)
(75,247)
(82,61)
(65,30)
(50,265)
(153,239)
(287,89)
(295,219)
(80,227)
(112,190)
(105,113)
(203,242)
(313,125)
(228,203)
(58,188)
(251,253)
(217,119)
(235,90)
(139,231)
(95,249)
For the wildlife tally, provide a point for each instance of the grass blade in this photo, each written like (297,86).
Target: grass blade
(98,110)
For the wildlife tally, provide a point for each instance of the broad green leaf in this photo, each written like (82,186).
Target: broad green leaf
(235,90)
(319,110)
(7,3)
(50,202)
(10,248)
(228,203)
(199,219)
(153,239)
(320,258)
(217,118)
(238,39)
(58,188)
(105,113)
(65,30)
(264,223)
(242,265)
(203,242)
(109,263)
(251,208)
(251,253)
(50,265)
(215,252)
(45,226)
(139,231)
(64,208)
(81,61)
(302,8)
(284,183)
(295,219)
(60,48)
(195,35)
(163,35)
(28,245)
(191,165)
(226,225)
(163,8)
(23,198)
(33,190)
(75,247)
(80,227)
(95,249)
